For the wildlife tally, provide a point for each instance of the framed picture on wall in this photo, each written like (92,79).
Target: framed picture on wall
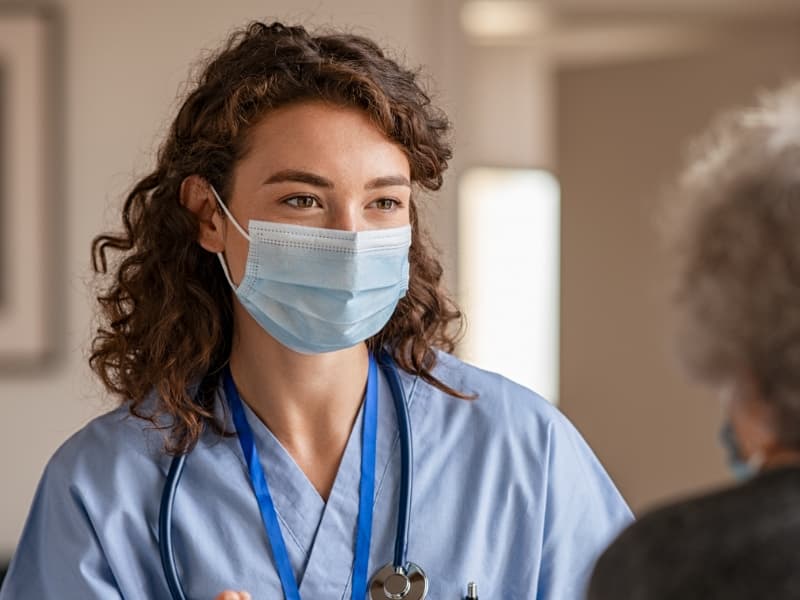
(27,181)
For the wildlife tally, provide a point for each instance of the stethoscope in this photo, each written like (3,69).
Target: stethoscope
(397,580)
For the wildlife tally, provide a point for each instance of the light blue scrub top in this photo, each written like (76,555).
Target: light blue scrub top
(506,494)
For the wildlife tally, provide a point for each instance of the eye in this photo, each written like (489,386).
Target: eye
(302,201)
(386,204)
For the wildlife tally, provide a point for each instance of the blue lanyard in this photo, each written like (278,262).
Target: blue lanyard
(270,518)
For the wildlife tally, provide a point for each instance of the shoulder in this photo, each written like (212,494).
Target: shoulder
(733,513)
(512,421)
(529,459)
(710,539)
(507,420)
(106,476)
(497,403)
(112,446)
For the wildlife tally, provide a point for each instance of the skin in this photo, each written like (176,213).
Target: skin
(229,595)
(753,424)
(319,165)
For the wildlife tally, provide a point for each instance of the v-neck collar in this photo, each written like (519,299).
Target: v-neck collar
(322,535)
(297,502)
(330,565)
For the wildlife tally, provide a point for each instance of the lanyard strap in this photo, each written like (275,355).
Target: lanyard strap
(269,516)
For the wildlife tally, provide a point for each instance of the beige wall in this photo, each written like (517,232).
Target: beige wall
(124,63)
(621,131)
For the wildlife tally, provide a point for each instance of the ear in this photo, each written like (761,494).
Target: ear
(197,197)
(752,417)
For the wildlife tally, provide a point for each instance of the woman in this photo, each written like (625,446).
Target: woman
(738,243)
(267,265)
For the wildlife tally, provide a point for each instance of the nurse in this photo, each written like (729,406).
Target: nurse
(272,257)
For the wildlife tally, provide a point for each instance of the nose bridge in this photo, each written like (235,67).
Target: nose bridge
(346,214)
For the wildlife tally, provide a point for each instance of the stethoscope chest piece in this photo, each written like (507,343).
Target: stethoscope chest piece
(393,584)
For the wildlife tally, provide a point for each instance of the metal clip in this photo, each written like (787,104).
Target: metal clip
(472,591)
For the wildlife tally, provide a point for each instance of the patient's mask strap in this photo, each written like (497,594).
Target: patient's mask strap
(239,228)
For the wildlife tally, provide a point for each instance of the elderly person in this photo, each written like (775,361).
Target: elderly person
(737,240)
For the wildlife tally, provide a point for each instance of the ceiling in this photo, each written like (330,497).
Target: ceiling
(678,8)
(577,31)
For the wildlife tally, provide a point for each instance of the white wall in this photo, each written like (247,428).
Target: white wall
(124,63)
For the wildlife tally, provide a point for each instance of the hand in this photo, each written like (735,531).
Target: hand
(229,595)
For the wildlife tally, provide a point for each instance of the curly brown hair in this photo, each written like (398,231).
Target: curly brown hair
(736,236)
(166,316)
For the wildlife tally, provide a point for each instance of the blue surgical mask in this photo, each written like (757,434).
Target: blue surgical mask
(742,469)
(319,290)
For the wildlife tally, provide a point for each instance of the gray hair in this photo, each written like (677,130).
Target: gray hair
(737,241)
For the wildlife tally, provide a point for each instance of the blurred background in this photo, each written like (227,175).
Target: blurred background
(571,119)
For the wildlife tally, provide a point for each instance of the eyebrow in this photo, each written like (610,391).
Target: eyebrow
(296,176)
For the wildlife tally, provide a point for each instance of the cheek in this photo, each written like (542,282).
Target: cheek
(406,215)
(395,219)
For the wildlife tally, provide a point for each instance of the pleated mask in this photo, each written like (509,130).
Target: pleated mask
(320,290)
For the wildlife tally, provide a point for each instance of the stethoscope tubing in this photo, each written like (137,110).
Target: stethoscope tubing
(167,552)
(406,459)
(165,527)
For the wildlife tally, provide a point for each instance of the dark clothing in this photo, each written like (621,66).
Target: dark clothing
(738,543)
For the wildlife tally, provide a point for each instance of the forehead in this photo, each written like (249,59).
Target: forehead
(316,135)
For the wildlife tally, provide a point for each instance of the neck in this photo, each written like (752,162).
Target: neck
(782,457)
(309,402)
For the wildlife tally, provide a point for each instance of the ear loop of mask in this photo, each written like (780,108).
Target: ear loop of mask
(239,228)
(743,467)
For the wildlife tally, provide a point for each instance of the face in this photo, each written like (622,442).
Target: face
(318,165)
